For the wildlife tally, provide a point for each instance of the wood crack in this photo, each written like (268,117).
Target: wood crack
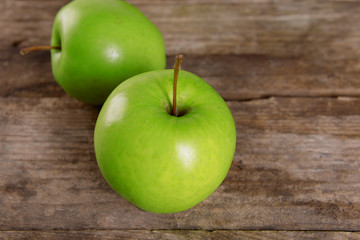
(266,97)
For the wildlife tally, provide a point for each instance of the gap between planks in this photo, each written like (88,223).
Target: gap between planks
(266,97)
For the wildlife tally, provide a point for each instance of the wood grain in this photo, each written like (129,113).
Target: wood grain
(244,49)
(319,29)
(235,77)
(296,167)
(290,71)
(177,235)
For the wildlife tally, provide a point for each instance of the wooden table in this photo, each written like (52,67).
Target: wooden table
(290,72)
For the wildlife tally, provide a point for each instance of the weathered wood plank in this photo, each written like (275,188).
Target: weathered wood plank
(316,29)
(235,77)
(282,48)
(296,168)
(177,235)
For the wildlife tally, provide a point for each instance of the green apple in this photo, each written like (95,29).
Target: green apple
(102,44)
(160,162)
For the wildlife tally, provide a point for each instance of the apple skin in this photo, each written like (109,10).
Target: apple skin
(159,162)
(102,44)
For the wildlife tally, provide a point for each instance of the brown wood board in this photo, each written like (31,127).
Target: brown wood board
(314,29)
(235,77)
(296,167)
(290,72)
(177,235)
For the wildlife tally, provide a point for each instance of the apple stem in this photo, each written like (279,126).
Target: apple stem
(27,50)
(178,60)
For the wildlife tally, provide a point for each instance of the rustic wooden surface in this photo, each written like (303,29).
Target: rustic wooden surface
(174,235)
(290,72)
